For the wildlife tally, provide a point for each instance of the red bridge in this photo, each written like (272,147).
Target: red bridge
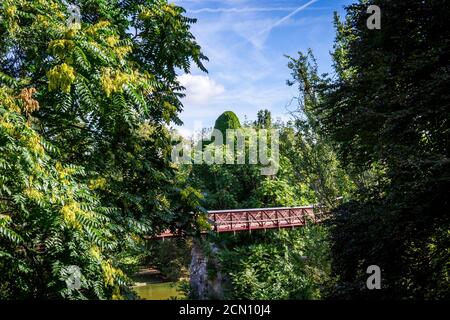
(256,219)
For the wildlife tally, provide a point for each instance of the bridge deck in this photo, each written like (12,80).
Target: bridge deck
(237,220)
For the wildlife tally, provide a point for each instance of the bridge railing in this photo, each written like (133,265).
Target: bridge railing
(260,218)
(236,220)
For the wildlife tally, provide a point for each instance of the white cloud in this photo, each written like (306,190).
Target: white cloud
(200,88)
(184,132)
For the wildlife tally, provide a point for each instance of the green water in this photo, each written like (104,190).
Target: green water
(158,291)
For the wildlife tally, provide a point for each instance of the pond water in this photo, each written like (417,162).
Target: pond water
(158,291)
(151,285)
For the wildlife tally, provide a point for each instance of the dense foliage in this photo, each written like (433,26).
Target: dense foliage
(171,257)
(229,186)
(286,264)
(387,113)
(49,220)
(227,120)
(85,152)
(375,136)
(280,264)
(86,103)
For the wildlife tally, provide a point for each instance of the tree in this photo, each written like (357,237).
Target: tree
(224,186)
(99,94)
(227,120)
(387,112)
(310,152)
(264,119)
(48,220)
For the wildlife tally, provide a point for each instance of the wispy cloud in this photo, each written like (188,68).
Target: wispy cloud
(240,10)
(303,7)
(248,9)
(259,38)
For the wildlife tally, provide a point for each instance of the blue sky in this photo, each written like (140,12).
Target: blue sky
(245,41)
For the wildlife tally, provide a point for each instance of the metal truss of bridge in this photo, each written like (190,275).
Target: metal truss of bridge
(238,220)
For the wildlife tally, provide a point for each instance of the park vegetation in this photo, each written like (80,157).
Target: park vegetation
(86,177)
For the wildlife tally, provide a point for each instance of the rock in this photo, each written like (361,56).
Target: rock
(203,283)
